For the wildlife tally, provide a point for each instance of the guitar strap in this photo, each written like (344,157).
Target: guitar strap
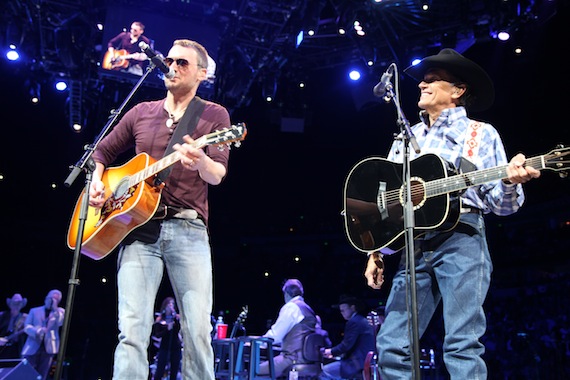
(471,147)
(472,140)
(186,126)
(149,232)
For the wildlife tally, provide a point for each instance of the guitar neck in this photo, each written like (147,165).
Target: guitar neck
(152,170)
(225,136)
(465,180)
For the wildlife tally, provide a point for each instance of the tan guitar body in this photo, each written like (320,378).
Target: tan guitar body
(131,197)
(111,61)
(107,227)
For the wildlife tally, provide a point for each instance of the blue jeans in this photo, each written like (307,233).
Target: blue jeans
(183,246)
(456,271)
(331,371)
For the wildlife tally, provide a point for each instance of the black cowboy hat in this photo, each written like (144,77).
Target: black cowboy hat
(480,84)
(346,299)
(351,300)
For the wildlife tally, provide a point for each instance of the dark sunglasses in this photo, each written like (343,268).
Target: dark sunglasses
(181,62)
(435,79)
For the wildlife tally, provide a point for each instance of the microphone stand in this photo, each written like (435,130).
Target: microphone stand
(86,164)
(409,222)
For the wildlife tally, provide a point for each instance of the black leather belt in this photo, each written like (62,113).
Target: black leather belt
(165,212)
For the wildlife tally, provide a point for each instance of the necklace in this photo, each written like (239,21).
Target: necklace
(173,118)
(170,120)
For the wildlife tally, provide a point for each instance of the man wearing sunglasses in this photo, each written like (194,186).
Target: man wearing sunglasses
(177,237)
(453,266)
(123,52)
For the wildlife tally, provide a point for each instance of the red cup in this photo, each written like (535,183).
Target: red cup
(222,331)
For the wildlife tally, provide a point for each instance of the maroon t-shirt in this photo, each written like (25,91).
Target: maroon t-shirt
(123,41)
(144,128)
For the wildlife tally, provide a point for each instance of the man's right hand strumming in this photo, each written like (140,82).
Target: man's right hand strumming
(374,272)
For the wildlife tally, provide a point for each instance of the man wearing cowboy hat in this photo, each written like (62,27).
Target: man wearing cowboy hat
(453,267)
(12,327)
(357,342)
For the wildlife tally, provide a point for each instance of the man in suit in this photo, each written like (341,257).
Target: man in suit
(358,340)
(42,326)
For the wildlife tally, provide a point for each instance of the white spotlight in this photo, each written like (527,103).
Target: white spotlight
(12,55)
(61,86)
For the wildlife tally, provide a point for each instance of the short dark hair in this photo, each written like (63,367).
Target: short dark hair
(140,24)
(201,50)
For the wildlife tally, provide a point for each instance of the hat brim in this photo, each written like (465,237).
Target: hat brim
(480,84)
(346,300)
(23,302)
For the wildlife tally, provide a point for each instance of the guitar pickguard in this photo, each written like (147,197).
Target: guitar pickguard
(374,197)
(113,204)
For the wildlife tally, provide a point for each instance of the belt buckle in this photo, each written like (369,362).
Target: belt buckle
(186,214)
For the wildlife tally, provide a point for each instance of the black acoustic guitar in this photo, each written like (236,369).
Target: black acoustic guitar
(374,194)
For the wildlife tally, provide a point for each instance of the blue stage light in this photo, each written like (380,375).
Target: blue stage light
(354,75)
(12,55)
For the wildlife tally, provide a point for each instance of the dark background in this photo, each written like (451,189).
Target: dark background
(277,214)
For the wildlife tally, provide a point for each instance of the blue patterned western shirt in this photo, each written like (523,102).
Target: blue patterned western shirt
(446,139)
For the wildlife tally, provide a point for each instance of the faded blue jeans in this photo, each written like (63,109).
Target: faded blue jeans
(457,272)
(183,246)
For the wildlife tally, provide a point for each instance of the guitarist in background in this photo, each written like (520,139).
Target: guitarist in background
(452,267)
(124,53)
(12,334)
(167,328)
(177,237)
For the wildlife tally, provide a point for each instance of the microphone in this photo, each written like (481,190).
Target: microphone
(157,60)
(380,88)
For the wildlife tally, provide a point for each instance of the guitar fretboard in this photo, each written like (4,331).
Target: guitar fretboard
(154,169)
(234,134)
(463,181)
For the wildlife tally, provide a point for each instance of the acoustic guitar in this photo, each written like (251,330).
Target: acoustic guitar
(374,196)
(240,320)
(116,60)
(10,339)
(132,196)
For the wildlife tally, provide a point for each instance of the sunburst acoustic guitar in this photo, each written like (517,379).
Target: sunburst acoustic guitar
(132,197)
(116,60)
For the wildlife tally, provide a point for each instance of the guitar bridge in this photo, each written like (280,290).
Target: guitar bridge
(381,200)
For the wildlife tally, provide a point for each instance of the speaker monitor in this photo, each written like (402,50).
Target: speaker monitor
(17,369)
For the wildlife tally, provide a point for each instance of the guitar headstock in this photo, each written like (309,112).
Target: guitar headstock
(224,137)
(242,315)
(375,319)
(557,160)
